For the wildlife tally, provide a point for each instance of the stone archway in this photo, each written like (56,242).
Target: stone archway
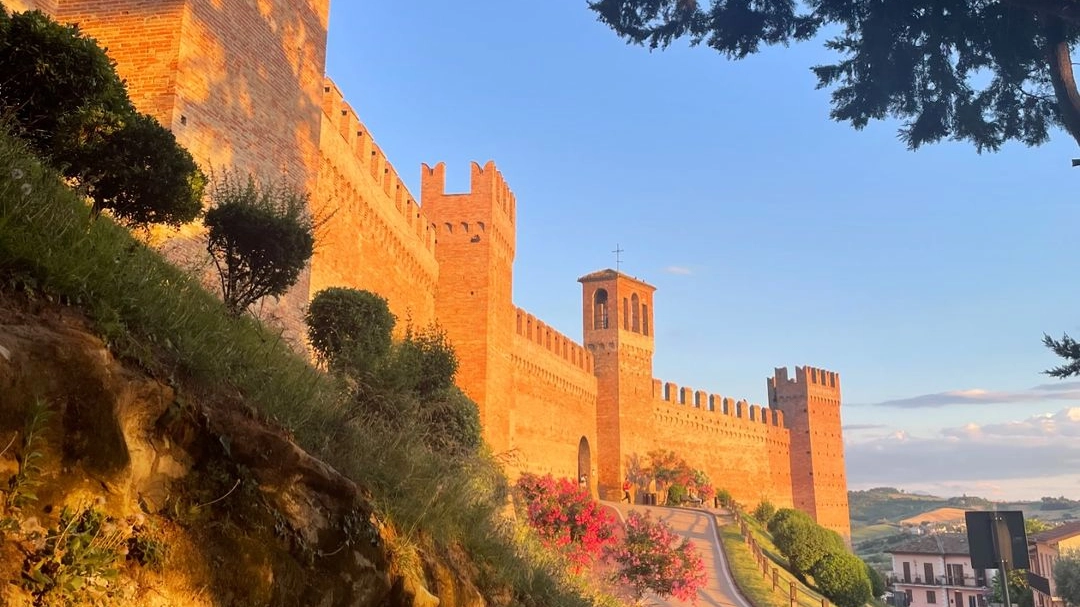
(584,463)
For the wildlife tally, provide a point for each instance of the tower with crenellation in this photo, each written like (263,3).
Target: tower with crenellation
(811,405)
(474,247)
(242,84)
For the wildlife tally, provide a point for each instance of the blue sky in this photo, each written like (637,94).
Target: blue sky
(773,235)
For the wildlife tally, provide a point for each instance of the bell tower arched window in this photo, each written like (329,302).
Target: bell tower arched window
(644,319)
(600,309)
(635,310)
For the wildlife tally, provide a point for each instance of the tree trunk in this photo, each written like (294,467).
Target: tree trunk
(1061,75)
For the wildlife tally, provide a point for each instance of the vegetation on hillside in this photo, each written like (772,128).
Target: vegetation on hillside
(55,247)
(64,99)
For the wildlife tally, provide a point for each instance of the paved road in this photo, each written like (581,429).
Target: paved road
(700,527)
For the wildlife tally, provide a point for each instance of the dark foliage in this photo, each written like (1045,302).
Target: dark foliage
(260,237)
(63,95)
(423,363)
(1066,348)
(842,577)
(143,176)
(969,70)
(802,541)
(351,329)
(877,581)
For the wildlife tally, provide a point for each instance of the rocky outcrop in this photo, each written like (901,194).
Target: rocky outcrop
(237,513)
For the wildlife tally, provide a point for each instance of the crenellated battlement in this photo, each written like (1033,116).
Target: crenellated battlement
(485,183)
(538,332)
(670,393)
(806,376)
(368,155)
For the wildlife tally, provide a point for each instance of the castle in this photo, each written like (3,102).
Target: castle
(241,83)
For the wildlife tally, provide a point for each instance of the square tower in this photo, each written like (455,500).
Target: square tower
(811,407)
(617,317)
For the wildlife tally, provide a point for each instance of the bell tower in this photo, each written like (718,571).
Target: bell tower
(617,321)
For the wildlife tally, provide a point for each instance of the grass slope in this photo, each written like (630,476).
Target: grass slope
(152,314)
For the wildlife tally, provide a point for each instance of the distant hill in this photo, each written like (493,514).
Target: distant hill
(940,515)
(884,505)
(878,514)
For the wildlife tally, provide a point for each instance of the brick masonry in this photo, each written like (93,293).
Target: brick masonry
(242,85)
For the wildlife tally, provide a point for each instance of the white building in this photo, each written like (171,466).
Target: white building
(935,571)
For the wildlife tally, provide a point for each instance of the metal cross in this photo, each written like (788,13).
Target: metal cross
(618,260)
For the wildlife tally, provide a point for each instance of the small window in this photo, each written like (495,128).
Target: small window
(644,319)
(600,309)
(635,310)
(931,597)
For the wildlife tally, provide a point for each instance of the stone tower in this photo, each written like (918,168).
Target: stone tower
(811,407)
(617,316)
(474,246)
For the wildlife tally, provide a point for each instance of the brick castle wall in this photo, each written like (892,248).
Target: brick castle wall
(553,417)
(242,85)
(375,235)
(742,447)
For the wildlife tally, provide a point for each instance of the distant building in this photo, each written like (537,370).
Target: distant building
(1044,549)
(935,571)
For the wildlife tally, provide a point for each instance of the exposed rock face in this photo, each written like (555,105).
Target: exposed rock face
(248,518)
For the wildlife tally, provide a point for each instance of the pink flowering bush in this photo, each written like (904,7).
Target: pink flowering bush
(566,518)
(653,558)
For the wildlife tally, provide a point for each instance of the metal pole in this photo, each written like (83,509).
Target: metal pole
(1003,573)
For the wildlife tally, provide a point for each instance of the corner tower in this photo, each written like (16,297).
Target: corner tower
(474,247)
(617,316)
(811,407)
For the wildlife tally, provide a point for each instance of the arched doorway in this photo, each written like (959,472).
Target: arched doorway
(584,459)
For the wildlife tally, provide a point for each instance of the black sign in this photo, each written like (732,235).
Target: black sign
(996,540)
(1039,583)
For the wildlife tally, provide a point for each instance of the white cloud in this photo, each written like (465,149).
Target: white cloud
(680,270)
(1039,455)
(1067,391)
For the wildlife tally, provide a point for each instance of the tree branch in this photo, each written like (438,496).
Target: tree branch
(1065,10)
(1061,75)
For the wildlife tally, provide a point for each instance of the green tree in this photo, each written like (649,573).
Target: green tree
(1019,591)
(349,328)
(981,71)
(1034,525)
(451,423)
(801,540)
(764,511)
(877,581)
(724,496)
(65,99)
(842,577)
(1067,577)
(423,363)
(260,238)
(142,175)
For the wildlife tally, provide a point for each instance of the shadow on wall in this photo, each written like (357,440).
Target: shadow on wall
(239,83)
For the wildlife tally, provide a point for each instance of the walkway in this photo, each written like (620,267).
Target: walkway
(700,527)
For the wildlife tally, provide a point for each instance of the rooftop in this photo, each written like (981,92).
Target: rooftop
(938,543)
(608,274)
(1058,533)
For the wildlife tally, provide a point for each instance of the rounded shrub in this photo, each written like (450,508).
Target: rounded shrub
(841,576)
(351,329)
